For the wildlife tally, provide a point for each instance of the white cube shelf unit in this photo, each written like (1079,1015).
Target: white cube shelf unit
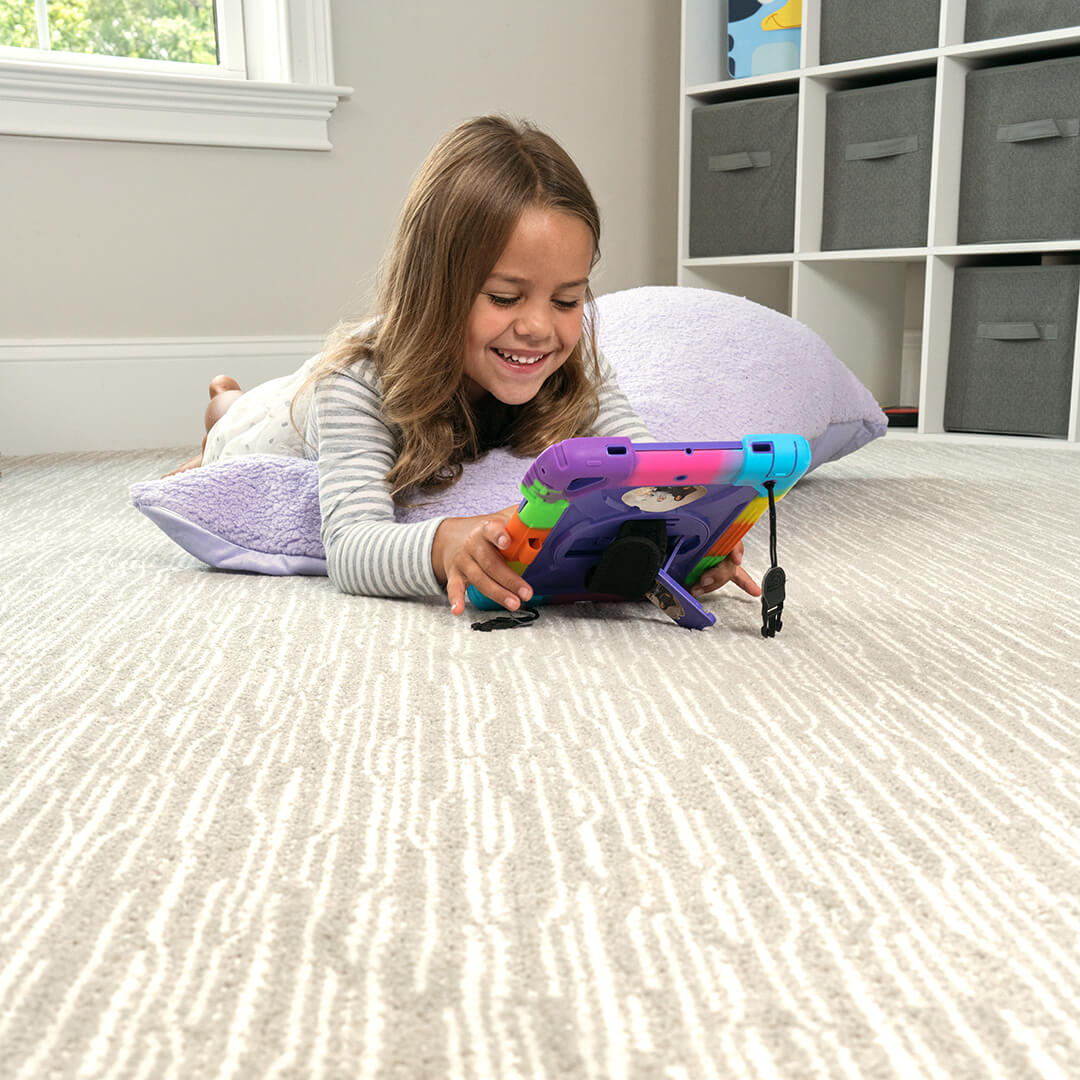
(886,312)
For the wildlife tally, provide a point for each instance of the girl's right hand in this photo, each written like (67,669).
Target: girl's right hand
(466,551)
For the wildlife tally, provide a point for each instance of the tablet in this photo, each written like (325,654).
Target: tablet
(610,519)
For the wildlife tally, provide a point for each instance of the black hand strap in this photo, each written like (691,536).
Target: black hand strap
(510,621)
(630,563)
(773,590)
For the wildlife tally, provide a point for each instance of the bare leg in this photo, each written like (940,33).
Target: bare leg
(224,390)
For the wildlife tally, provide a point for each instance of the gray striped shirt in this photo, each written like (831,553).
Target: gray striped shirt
(367,551)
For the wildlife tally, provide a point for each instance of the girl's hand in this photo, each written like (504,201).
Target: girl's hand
(466,551)
(729,570)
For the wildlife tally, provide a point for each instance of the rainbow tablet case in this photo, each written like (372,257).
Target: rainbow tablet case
(580,494)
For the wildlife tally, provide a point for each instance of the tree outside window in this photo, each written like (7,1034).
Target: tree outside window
(181,31)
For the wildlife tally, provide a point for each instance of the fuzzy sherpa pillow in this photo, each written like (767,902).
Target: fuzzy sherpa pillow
(699,364)
(694,363)
(260,513)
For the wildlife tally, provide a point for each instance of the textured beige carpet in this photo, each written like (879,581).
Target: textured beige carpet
(250,827)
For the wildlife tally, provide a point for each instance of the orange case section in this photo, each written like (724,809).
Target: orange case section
(739,527)
(525,543)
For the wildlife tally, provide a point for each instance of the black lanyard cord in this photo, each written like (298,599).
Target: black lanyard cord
(773,583)
(769,485)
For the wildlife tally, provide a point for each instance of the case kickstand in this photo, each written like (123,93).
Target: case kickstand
(675,602)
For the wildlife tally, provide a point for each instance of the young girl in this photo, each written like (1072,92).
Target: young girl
(483,339)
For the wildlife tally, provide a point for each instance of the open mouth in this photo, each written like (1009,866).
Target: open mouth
(519,359)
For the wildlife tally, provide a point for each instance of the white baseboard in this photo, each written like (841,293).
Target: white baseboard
(59,395)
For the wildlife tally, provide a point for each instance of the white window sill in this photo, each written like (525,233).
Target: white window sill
(49,100)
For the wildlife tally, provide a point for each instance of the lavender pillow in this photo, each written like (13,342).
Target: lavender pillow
(257,513)
(700,364)
(260,513)
(696,364)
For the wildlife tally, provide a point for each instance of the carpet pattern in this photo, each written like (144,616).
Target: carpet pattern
(252,827)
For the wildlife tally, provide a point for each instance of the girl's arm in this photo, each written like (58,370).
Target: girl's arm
(367,551)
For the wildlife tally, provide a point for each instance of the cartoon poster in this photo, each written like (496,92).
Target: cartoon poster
(763,36)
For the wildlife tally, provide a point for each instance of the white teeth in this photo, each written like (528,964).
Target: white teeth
(514,358)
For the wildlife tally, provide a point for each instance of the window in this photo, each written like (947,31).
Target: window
(200,35)
(219,72)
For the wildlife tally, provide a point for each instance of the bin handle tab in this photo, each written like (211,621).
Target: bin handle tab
(746,159)
(1030,130)
(1017,331)
(882,148)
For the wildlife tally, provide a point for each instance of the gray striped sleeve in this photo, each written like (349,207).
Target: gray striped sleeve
(367,551)
(617,418)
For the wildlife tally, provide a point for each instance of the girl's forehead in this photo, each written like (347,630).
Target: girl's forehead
(547,240)
(515,279)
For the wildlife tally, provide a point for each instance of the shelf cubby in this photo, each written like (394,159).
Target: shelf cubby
(886,312)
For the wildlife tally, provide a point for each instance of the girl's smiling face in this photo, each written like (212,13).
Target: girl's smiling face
(527,318)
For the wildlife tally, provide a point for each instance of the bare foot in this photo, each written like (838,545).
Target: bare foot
(224,390)
(220,383)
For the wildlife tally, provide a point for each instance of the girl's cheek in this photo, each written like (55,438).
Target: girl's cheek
(571,328)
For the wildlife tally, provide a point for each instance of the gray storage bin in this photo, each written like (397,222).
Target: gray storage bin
(1004,18)
(853,29)
(1011,349)
(742,179)
(1020,177)
(877,166)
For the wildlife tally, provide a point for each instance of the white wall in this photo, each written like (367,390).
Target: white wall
(107,242)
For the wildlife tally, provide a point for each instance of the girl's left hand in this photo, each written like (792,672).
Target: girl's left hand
(468,551)
(728,570)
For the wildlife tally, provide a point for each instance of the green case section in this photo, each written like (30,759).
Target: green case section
(707,563)
(540,510)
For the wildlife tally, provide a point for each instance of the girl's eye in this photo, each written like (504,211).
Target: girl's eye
(509,301)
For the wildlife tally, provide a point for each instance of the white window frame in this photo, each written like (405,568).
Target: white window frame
(279,94)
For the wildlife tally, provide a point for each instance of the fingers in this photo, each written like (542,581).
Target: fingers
(728,570)
(494,531)
(479,563)
(455,592)
(746,582)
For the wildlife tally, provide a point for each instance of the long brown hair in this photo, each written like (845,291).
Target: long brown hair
(454,225)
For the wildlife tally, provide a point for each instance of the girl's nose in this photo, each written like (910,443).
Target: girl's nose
(533,321)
